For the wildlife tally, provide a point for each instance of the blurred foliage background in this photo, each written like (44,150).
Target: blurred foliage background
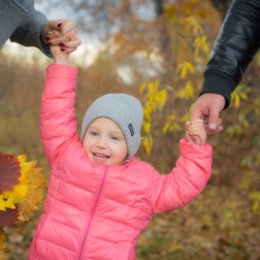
(157,51)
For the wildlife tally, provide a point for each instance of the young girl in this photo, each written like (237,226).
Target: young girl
(100,197)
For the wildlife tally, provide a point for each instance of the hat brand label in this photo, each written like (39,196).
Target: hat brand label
(131,129)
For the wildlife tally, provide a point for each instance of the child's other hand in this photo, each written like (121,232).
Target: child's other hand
(196,132)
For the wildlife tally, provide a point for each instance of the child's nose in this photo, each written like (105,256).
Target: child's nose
(102,142)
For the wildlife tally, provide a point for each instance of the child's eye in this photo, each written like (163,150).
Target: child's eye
(114,138)
(93,133)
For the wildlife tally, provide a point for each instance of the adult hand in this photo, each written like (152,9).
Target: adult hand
(65,29)
(208,107)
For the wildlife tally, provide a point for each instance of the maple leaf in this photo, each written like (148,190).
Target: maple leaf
(35,182)
(20,202)
(9,172)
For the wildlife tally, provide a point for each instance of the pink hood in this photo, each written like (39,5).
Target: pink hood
(95,212)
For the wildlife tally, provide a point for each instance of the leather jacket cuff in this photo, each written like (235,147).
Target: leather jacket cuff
(219,83)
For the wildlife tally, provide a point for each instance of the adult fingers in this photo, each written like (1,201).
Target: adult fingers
(214,122)
(208,107)
(59,40)
(71,44)
(64,26)
(69,40)
(55,24)
(197,111)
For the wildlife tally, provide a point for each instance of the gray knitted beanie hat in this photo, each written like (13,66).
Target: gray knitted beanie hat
(125,110)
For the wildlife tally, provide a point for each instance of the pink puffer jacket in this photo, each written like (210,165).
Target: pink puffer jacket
(95,212)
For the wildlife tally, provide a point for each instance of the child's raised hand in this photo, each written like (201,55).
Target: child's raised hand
(196,132)
(62,51)
(64,28)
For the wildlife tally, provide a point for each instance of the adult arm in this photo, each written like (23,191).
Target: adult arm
(28,32)
(236,44)
(186,181)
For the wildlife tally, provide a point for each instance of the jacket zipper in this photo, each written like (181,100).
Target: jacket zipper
(92,213)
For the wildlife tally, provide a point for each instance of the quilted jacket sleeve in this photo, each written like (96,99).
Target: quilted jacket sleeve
(185,182)
(57,118)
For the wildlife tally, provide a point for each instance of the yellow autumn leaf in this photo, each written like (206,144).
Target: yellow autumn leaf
(153,87)
(155,99)
(160,98)
(29,191)
(241,92)
(201,43)
(255,199)
(171,125)
(142,88)
(193,23)
(169,88)
(147,110)
(187,92)
(33,178)
(147,126)
(184,68)
(243,96)
(8,199)
(166,127)
(236,100)
(147,142)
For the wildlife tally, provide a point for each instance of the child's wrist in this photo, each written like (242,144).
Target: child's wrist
(61,60)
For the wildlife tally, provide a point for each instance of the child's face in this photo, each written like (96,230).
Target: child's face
(105,143)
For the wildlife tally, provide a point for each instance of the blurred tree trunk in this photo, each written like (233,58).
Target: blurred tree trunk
(159,12)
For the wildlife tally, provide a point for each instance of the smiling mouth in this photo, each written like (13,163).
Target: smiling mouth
(100,157)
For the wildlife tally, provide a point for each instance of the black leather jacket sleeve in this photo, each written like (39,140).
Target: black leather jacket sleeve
(237,42)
